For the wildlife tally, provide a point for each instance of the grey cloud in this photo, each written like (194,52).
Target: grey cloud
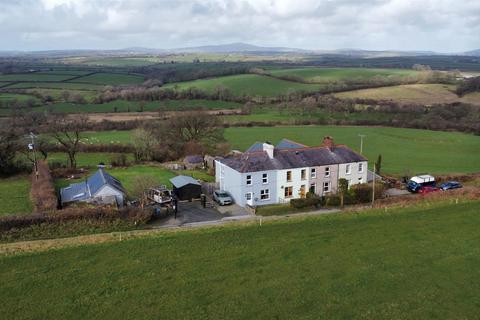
(440,25)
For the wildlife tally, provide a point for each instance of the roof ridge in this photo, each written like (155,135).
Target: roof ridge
(294,142)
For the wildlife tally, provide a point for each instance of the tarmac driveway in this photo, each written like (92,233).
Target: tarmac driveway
(192,212)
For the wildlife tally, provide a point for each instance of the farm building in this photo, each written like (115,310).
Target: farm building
(100,188)
(193,162)
(186,188)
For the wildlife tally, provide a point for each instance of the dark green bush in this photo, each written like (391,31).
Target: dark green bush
(311,200)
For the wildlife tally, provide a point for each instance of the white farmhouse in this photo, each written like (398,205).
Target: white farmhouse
(265,174)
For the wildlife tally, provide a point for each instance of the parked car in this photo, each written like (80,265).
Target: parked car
(450,185)
(427,189)
(222,197)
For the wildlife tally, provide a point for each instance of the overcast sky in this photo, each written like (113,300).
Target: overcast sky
(439,25)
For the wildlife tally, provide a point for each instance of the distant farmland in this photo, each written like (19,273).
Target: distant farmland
(247,84)
(413,93)
(324,75)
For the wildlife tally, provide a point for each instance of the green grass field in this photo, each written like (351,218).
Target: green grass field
(248,84)
(15,195)
(415,263)
(56,85)
(404,151)
(323,75)
(111,79)
(90,159)
(35,77)
(18,97)
(413,93)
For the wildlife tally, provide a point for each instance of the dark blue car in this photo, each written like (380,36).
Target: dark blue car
(450,185)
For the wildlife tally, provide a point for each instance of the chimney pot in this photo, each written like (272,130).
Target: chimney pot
(328,142)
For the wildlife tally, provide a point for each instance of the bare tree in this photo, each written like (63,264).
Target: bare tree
(140,188)
(66,131)
(144,143)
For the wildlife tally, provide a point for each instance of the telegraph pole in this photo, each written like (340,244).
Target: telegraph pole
(31,146)
(374,178)
(361,142)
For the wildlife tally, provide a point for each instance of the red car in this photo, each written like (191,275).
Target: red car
(427,189)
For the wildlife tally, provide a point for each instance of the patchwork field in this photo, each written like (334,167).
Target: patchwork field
(17,97)
(323,75)
(247,84)
(413,93)
(415,263)
(35,77)
(15,195)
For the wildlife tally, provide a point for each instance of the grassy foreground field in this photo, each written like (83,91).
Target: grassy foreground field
(417,263)
(413,93)
(15,195)
(404,151)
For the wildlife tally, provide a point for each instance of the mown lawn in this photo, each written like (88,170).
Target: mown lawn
(15,195)
(417,263)
(404,151)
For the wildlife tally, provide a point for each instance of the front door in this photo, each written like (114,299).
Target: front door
(249,197)
(312,188)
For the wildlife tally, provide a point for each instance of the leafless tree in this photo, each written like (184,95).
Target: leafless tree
(66,131)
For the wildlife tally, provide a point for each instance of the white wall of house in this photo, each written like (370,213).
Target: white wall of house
(325,179)
(296,183)
(229,180)
(261,188)
(355,172)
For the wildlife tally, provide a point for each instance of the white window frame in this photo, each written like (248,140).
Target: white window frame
(348,169)
(313,173)
(249,196)
(360,167)
(303,174)
(326,187)
(286,176)
(264,192)
(265,178)
(248,180)
(285,191)
(327,172)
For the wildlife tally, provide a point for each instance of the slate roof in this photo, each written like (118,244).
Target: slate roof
(290,158)
(257,146)
(87,189)
(289,144)
(180,181)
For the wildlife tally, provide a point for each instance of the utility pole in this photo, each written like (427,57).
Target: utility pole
(374,178)
(361,142)
(31,146)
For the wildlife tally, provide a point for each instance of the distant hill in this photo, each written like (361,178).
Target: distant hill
(236,48)
(474,53)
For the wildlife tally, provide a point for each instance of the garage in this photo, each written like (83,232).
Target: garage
(186,188)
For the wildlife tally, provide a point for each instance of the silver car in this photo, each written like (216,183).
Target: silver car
(222,197)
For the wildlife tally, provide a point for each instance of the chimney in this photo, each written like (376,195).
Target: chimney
(328,142)
(268,148)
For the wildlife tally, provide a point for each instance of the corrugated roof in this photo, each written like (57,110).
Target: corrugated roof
(87,189)
(180,181)
(292,158)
